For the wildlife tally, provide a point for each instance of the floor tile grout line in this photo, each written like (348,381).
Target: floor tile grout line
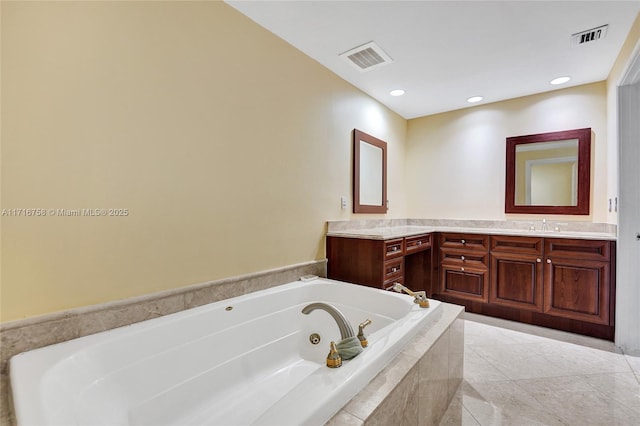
(545,333)
(546,411)
(588,348)
(572,374)
(542,403)
(605,395)
(471,414)
(633,370)
(497,368)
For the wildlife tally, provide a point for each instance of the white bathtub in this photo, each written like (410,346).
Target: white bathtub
(242,361)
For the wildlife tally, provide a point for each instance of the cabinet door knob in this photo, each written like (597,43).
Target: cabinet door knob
(538,260)
(462,269)
(462,258)
(548,260)
(419,243)
(463,242)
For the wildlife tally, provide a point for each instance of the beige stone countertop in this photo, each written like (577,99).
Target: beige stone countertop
(388,233)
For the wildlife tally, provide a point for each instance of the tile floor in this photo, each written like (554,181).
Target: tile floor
(517,374)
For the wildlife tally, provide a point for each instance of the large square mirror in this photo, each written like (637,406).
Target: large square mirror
(549,173)
(369,174)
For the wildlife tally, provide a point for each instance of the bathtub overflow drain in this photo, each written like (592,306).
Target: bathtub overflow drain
(314,338)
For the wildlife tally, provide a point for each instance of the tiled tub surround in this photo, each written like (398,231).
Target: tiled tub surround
(32,333)
(394,228)
(417,387)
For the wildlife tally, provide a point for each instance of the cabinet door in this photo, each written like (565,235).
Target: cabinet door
(516,280)
(577,289)
(356,260)
(464,282)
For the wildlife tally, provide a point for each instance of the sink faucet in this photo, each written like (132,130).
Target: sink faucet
(419,297)
(343,324)
(544,225)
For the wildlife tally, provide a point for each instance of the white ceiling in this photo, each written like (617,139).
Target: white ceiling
(447,51)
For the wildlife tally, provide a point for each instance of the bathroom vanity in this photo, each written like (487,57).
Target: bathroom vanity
(555,280)
(381,263)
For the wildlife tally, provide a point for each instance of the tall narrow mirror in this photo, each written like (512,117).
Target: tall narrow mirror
(369,174)
(549,173)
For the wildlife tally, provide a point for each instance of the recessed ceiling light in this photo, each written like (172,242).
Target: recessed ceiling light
(560,80)
(397,92)
(474,99)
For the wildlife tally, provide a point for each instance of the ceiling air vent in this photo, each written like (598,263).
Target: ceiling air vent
(589,36)
(366,57)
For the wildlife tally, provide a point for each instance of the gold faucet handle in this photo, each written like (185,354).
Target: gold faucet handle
(420,297)
(363,339)
(333,359)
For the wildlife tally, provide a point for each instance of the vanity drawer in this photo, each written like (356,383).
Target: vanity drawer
(577,249)
(464,257)
(515,244)
(417,243)
(394,269)
(464,241)
(394,248)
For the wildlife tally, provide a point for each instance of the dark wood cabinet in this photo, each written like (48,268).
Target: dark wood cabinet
(381,263)
(464,270)
(578,280)
(562,283)
(517,272)
(568,284)
(464,282)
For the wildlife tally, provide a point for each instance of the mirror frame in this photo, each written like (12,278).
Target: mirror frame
(584,172)
(357,206)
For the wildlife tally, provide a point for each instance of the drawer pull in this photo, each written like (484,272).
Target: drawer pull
(463,242)
(462,269)
(462,258)
(419,243)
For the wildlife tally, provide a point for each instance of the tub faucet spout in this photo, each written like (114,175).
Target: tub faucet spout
(343,324)
(419,297)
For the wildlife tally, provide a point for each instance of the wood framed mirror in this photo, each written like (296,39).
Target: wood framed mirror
(549,173)
(369,174)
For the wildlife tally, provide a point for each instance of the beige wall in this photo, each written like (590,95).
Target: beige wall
(229,148)
(455,161)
